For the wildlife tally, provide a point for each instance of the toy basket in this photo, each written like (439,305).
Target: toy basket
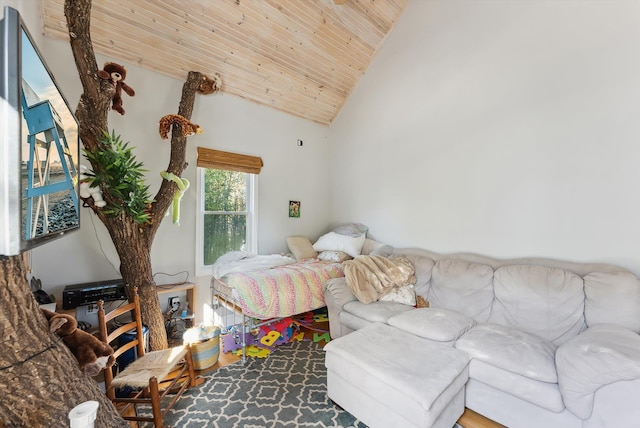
(205,345)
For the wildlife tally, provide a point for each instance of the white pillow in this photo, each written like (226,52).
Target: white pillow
(336,242)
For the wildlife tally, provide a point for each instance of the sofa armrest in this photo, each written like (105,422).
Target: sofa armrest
(336,294)
(599,356)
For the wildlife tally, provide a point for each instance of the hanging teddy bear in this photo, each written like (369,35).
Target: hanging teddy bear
(93,355)
(115,74)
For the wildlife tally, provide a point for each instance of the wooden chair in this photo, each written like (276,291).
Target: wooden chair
(152,376)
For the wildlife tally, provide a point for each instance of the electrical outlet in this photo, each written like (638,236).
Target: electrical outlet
(91,309)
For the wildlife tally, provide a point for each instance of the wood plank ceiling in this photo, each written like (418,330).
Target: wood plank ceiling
(303,57)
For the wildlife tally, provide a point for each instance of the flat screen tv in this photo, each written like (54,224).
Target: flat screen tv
(39,146)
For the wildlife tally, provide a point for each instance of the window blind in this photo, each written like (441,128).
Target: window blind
(211,158)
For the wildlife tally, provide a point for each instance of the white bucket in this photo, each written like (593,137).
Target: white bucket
(83,415)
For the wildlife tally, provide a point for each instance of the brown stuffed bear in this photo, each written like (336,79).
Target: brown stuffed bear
(92,354)
(115,74)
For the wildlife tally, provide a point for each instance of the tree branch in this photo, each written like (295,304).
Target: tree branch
(177,163)
(131,239)
(95,100)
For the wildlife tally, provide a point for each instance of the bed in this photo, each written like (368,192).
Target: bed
(250,294)
(280,291)
(250,290)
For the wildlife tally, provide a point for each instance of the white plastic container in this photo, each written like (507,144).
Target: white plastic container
(84,414)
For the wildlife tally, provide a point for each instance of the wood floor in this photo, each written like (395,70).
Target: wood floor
(469,418)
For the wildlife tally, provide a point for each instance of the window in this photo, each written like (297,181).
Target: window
(227,219)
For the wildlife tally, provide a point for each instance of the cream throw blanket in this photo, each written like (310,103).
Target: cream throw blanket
(372,277)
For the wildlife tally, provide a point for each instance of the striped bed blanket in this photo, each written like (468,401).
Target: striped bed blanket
(284,290)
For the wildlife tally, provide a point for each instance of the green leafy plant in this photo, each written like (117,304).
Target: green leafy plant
(120,176)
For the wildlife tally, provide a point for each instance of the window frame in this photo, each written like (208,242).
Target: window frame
(251,214)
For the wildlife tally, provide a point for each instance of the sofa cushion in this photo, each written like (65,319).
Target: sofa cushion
(602,355)
(544,394)
(548,302)
(511,349)
(462,286)
(441,325)
(612,299)
(376,311)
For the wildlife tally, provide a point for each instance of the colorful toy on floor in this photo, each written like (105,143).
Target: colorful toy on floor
(232,341)
(254,351)
(319,337)
(270,338)
(265,339)
(322,317)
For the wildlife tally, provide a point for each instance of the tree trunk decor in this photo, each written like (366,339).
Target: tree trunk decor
(132,231)
(40,381)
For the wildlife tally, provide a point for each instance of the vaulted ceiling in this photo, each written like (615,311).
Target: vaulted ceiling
(303,57)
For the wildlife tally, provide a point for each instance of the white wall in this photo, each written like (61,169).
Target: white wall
(230,123)
(30,13)
(503,128)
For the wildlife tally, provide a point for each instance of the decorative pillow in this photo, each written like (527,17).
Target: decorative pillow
(334,256)
(354,229)
(405,295)
(333,241)
(301,247)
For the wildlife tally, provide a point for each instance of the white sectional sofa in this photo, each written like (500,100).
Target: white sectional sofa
(552,344)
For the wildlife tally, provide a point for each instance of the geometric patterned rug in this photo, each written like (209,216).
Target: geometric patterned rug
(286,389)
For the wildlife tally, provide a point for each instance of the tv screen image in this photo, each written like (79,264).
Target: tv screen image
(39,146)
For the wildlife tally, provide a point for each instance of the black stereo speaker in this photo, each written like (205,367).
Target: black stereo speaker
(92,292)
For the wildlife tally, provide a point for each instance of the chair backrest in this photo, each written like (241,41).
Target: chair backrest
(117,330)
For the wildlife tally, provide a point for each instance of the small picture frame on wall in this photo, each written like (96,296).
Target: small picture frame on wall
(294,209)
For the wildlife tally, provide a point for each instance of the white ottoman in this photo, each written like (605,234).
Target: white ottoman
(387,377)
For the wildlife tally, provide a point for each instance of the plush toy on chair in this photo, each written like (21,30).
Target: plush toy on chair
(93,355)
